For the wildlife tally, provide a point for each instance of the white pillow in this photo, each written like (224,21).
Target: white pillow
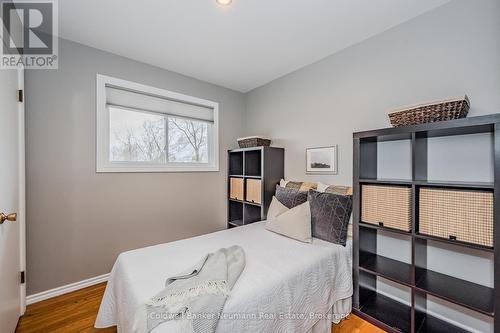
(283,182)
(322,187)
(276,208)
(349,231)
(294,223)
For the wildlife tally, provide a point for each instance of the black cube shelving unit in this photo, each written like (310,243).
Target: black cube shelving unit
(390,314)
(266,164)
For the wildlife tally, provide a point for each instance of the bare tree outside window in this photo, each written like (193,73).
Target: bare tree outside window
(188,140)
(141,136)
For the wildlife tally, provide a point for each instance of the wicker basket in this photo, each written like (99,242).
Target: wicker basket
(236,189)
(432,112)
(387,206)
(253,141)
(462,215)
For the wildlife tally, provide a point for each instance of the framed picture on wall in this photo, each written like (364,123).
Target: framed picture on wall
(321,160)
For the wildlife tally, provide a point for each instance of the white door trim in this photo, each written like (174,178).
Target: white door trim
(22,189)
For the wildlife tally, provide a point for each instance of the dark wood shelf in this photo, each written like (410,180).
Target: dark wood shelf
(259,167)
(383,181)
(455,242)
(252,203)
(470,295)
(373,226)
(390,269)
(429,324)
(430,183)
(236,223)
(386,310)
(388,136)
(244,176)
(423,283)
(471,125)
(456,184)
(246,202)
(240,150)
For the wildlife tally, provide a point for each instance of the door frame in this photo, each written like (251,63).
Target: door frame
(22,187)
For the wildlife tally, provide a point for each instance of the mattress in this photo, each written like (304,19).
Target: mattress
(286,286)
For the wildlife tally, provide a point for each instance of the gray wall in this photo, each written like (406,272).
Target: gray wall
(78,221)
(447,52)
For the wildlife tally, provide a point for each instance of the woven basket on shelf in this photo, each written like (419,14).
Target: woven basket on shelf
(462,215)
(427,113)
(387,206)
(253,141)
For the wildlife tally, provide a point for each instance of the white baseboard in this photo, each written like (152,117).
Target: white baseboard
(35,298)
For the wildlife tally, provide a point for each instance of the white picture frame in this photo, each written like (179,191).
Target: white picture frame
(322,160)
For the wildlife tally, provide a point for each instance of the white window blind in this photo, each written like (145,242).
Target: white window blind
(122,98)
(146,129)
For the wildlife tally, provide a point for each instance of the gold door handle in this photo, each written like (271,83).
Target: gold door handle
(10,217)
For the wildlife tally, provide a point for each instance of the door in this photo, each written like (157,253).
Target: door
(11,178)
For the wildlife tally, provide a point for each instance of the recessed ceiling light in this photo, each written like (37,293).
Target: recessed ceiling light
(224,2)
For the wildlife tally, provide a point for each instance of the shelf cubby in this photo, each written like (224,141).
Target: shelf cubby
(386,161)
(235,212)
(459,320)
(455,160)
(253,163)
(388,268)
(436,274)
(392,314)
(252,213)
(467,294)
(439,285)
(388,311)
(375,261)
(235,161)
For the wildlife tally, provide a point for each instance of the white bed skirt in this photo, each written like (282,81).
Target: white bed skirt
(340,310)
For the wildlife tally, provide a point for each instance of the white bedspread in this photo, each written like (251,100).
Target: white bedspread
(284,281)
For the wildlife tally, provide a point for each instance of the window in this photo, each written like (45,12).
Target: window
(146,129)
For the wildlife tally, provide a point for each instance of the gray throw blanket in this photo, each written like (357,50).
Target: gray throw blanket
(196,297)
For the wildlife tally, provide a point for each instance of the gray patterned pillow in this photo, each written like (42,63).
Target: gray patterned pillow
(290,197)
(330,214)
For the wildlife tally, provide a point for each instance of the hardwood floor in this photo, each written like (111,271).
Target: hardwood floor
(76,312)
(73,312)
(354,324)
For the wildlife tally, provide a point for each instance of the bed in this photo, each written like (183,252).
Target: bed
(286,286)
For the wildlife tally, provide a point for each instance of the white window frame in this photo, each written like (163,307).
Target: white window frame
(103,163)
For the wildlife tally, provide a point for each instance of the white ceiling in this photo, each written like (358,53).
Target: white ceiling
(241,47)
